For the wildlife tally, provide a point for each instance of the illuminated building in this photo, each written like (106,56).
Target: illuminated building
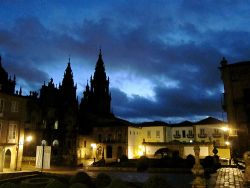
(236,101)
(12,120)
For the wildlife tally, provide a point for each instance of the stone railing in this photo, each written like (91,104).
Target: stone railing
(190,135)
(177,136)
(202,135)
(216,135)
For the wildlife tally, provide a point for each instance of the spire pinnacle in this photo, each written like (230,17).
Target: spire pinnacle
(69,60)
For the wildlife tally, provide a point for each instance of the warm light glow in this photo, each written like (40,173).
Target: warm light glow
(93,145)
(191,141)
(225,129)
(140,150)
(29,138)
(227,143)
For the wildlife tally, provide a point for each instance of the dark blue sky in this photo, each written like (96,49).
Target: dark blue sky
(162,56)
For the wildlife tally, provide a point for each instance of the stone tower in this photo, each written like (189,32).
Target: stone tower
(68,109)
(97,98)
(7,85)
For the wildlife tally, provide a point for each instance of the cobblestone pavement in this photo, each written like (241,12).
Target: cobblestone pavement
(229,178)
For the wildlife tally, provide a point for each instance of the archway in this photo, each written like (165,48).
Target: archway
(109,151)
(7,159)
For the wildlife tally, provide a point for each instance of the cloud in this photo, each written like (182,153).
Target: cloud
(171,50)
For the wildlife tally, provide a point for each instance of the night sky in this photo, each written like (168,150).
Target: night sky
(162,56)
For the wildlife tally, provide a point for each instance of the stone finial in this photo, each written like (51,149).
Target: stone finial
(223,62)
(198,170)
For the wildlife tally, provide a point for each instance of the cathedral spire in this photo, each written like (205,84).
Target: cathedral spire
(96,97)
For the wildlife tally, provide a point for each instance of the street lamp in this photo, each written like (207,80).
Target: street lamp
(28,140)
(93,145)
(43,144)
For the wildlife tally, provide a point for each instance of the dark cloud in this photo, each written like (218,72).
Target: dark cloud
(178,43)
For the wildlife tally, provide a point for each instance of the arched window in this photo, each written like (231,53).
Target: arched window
(55,143)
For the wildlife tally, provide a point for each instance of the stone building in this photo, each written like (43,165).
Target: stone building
(96,101)
(236,101)
(88,130)
(55,112)
(12,121)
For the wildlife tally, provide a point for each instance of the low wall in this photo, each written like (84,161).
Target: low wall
(132,169)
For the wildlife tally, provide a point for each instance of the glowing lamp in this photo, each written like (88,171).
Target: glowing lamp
(93,145)
(29,138)
(225,129)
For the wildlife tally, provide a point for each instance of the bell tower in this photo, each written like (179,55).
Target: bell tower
(97,97)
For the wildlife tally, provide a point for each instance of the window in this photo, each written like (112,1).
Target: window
(119,137)
(85,143)
(1,106)
(55,143)
(100,138)
(109,139)
(14,106)
(149,134)
(183,133)
(12,132)
(202,131)
(177,132)
(56,125)
(157,134)
(216,131)
(190,132)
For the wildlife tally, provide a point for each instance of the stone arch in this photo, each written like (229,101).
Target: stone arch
(7,158)
(55,148)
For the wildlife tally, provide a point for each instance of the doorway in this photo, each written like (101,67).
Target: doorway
(7,159)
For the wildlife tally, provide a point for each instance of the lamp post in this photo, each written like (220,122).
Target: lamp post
(43,144)
(227,142)
(28,140)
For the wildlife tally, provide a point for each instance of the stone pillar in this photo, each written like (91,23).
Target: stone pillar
(247,163)
(198,171)
(1,158)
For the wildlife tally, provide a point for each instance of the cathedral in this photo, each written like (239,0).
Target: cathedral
(87,130)
(60,119)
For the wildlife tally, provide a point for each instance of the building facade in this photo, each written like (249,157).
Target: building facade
(12,122)
(89,130)
(236,103)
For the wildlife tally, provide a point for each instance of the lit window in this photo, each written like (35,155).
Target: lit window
(55,143)
(12,132)
(44,124)
(157,134)
(149,134)
(14,106)
(56,125)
